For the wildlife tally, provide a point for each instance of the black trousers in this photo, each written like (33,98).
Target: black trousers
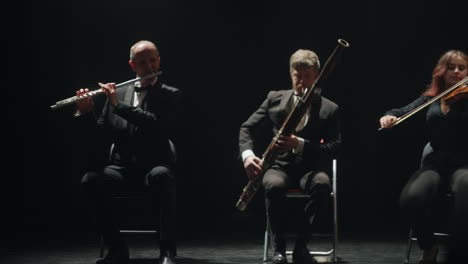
(417,198)
(277,181)
(159,181)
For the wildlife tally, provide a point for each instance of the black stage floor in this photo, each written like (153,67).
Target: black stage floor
(227,248)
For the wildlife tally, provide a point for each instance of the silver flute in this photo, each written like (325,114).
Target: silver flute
(99,91)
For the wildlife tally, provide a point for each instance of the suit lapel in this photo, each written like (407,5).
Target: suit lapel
(285,105)
(127,100)
(128,96)
(314,114)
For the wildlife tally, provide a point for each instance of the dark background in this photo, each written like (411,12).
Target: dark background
(225,56)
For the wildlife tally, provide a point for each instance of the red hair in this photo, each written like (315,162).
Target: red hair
(437,84)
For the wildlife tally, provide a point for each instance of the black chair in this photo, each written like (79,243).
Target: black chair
(296,195)
(411,237)
(136,195)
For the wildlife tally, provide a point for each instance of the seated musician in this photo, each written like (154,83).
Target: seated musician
(138,121)
(446,168)
(303,160)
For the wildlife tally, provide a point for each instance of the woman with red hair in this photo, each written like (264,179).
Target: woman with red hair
(446,167)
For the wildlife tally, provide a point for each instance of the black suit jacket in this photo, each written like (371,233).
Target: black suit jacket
(140,135)
(323,124)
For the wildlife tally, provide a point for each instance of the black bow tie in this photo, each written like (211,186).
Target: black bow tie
(141,88)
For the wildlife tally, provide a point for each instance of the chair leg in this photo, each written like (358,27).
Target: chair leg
(335,230)
(265,242)
(101,245)
(335,212)
(408,249)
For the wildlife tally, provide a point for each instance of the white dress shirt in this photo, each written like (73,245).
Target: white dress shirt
(138,97)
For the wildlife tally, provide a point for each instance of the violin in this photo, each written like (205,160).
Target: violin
(452,94)
(456,95)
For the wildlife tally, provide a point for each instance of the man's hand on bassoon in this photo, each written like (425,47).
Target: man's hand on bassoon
(252,167)
(286,143)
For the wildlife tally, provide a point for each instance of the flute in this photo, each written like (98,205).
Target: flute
(99,91)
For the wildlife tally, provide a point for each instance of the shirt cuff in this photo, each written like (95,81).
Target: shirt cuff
(247,153)
(77,113)
(300,146)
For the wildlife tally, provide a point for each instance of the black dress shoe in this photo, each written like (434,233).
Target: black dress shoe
(301,255)
(116,255)
(279,258)
(167,260)
(430,261)
(168,252)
